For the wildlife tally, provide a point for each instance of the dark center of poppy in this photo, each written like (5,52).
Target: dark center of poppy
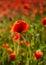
(44,22)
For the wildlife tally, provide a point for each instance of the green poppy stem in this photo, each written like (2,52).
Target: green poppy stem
(18,44)
(3,57)
(14,47)
(27,61)
(37,62)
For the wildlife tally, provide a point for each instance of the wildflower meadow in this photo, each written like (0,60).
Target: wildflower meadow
(22,32)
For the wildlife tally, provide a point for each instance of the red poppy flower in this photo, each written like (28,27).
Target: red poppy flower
(19,26)
(44,21)
(12,57)
(5,45)
(38,54)
(26,6)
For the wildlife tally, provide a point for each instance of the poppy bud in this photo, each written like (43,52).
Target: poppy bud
(23,54)
(9,50)
(27,44)
(5,45)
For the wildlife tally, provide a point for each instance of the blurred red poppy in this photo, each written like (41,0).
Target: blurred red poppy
(9,50)
(5,45)
(44,21)
(19,5)
(20,26)
(26,6)
(27,44)
(38,54)
(12,57)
